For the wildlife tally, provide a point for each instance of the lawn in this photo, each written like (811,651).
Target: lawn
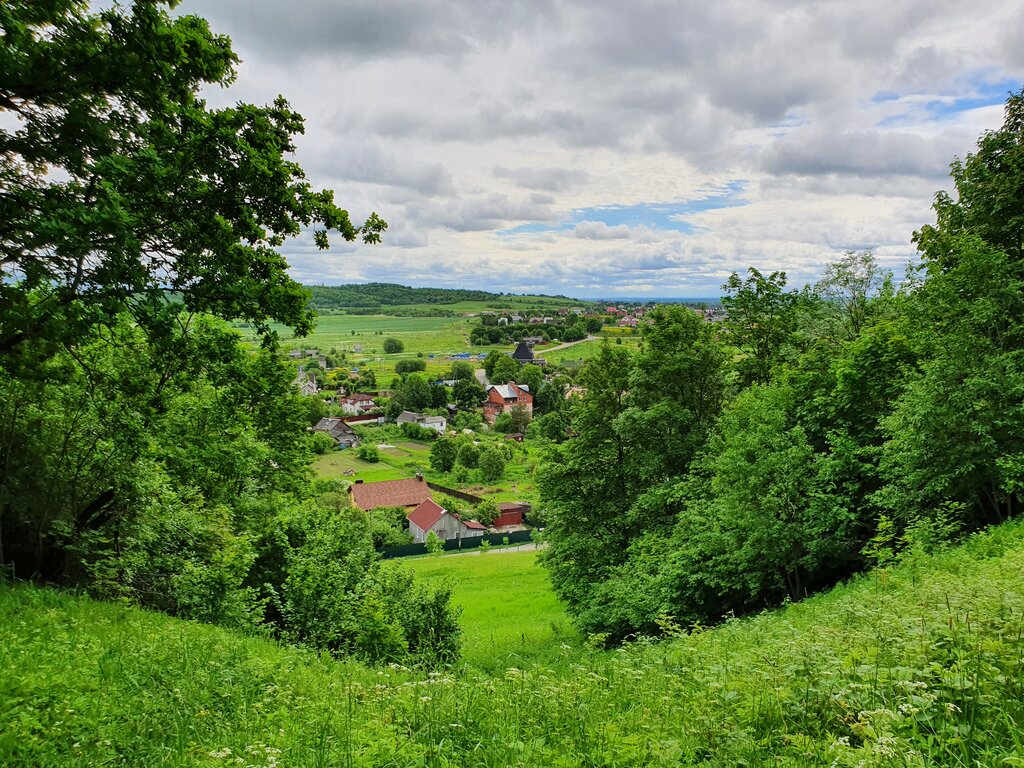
(585,350)
(510,615)
(336,463)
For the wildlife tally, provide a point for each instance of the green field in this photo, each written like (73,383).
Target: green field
(919,665)
(510,615)
(585,350)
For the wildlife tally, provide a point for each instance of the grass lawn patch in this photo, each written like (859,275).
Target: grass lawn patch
(510,615)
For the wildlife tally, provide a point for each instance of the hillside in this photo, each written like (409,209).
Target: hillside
(921,665)
(370,296)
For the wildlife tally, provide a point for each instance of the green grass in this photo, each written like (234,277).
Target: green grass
(585,350)
(510,615)
(922,665)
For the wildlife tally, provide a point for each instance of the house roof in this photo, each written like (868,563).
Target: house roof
(390,493)
(473,524)
(332,424)
(508,391)
(426,514)
(513,506)
(523,352)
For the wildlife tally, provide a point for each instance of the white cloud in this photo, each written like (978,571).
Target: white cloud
(457,120)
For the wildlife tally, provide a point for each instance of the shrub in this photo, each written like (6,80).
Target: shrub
(434,544)
(442,456)
(393,346)
(368,452)
(469,456)
(492,464)
(321,443)
(410,366)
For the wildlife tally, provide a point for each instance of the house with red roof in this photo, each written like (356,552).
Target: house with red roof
(502,398)
(409,492)
(431,516)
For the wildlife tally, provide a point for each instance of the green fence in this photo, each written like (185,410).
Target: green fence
(454,545)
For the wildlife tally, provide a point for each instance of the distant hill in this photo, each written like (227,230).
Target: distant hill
(372,295)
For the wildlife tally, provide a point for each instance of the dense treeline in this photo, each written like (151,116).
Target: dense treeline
(373,295)
(728,467)
(145,455)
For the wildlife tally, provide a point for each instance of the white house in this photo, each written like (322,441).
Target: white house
(437,423)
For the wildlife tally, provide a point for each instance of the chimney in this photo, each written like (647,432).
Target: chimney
(419,476)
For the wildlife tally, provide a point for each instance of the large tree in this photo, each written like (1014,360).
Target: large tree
(121,190)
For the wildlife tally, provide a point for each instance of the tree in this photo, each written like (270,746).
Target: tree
(393,346)
(505,369)
(109,202)
(468,393)
(461,371)
(468,456)
(492,360)
(990,195)
(531,376)
(847,286)
(442,455)
(503,423)
(412,394)
(761,318)
(486,511)
(492,464)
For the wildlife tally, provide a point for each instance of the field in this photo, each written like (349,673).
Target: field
(919,665)
(510,615)
(584,350)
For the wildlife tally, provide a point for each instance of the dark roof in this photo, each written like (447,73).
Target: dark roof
(513,506)
(426,514)
(390,493)
(523,352)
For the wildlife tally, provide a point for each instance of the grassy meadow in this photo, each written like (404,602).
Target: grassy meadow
(920,665)
(510,615)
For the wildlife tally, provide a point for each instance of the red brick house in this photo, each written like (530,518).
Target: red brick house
(502,398)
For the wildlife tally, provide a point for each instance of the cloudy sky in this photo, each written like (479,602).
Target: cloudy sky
(624,149)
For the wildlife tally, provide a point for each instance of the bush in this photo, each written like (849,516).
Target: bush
(368,452)
(393,346)
(442,456)
(321,443)
(410,366)
(486,511)
(434,544)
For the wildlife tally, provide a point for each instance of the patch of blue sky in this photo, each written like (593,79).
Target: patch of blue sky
(664,216)
(984,91)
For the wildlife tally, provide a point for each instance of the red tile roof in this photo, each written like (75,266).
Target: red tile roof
(390,493)
(473,524)
(426,514)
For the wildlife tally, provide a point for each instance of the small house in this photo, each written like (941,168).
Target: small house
(336,428)
(431,516)
(436,423)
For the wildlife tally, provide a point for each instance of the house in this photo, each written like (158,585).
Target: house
(548,320)
(532,341)
(430,516)
(409,493)
(306,382)
(502,320)
(436,423)
(502,398)
(335,427)
(516,318)
(357,404)
(510,513)
(628,322)
(535,320)
(523,353)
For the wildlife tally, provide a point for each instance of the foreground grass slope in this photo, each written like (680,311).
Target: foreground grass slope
(923,665)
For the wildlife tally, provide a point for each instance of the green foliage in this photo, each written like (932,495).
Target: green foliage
(492,464)
(504,423)
(531,376)
(486,510)
(504,370)
(917,668)
(409,366)
(461,371)
(442,455)
(468,393)
(368,452)
(321,443)
(468,456)
(393,346)
(108,205)
(434,544)
(761,318)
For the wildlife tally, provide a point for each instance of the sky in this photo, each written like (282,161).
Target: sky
(604,149)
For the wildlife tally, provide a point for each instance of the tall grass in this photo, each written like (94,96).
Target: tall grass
(918,666)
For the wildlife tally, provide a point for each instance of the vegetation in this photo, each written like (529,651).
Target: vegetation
(914,665)
(822,431)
